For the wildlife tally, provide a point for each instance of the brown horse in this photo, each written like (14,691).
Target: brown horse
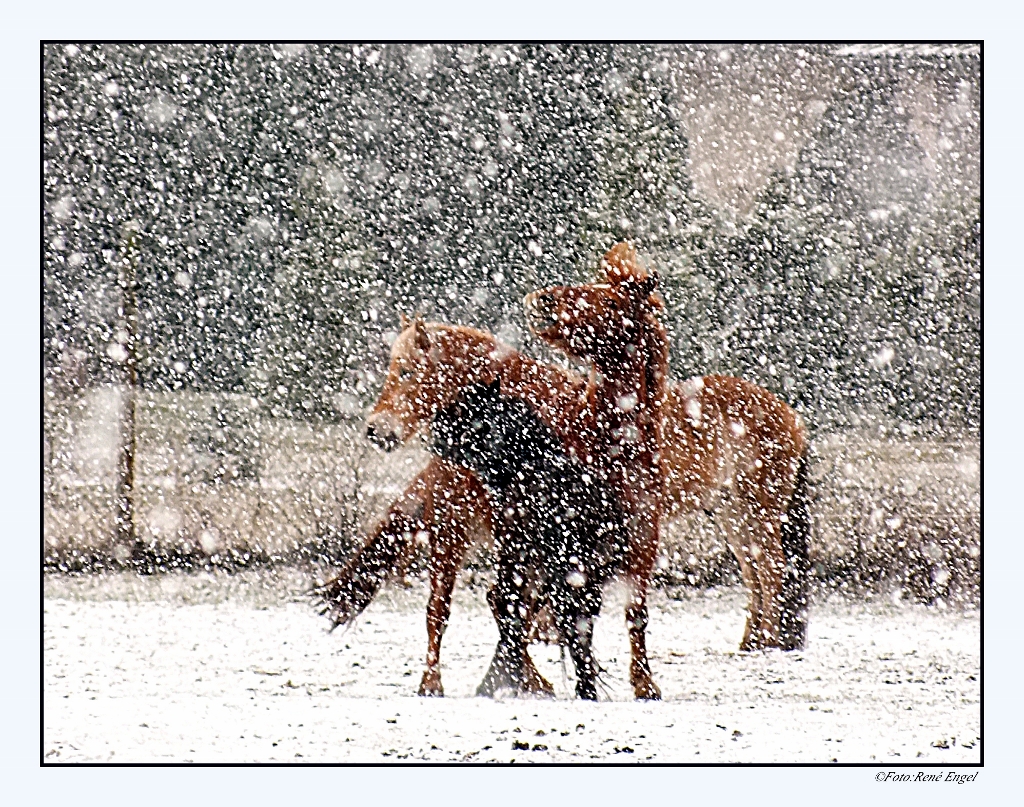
(430,365)
(726,443)
(754,447)
(614,326)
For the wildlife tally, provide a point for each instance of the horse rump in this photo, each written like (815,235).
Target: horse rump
(795,534)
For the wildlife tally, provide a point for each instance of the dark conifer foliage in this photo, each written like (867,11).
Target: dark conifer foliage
(290,201)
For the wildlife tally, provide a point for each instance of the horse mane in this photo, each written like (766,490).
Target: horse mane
(655,337)
(621,264)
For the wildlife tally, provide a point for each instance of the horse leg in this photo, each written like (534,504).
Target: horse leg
(751,581)
(640,567)
(575,616)
(533,681)
(506,599)
(453,515)
(771,564)
(740,538)
(640,676)
(496,676)
(447,549)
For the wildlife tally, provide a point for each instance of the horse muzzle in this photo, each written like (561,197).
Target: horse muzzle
(382,431)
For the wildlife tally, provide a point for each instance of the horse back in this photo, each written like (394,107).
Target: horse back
(558,397)
(726,432)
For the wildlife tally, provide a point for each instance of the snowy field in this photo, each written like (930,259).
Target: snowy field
(236,668)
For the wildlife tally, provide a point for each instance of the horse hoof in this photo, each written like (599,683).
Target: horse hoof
(537,684)
(586,692)
(498,691)
(646,691)
(493,684)
(485,690)
(501,686)
(430,687)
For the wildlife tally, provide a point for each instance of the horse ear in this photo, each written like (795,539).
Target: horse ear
(494,388)
(404,321)
(422,340)
(639,290)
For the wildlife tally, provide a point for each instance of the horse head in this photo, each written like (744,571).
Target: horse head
(601,322)
(430,364)
(397,411)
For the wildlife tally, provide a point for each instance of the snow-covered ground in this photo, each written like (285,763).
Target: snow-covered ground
(236,668)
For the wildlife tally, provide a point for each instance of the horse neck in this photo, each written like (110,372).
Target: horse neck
(557,396)
(612,388)
(642,374)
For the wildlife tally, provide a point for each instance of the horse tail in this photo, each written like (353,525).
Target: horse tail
(795,534)
(346,596)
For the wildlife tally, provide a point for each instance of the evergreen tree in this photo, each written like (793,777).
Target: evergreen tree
(323,309)
(836,290)
(640,152)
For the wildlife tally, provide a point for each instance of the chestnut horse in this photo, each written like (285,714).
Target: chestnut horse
(754,474)
(614,326)
(725,442)
(430,365)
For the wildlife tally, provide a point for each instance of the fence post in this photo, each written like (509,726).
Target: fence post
(127,540)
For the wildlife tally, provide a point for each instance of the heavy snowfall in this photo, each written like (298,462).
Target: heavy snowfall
(231,235)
